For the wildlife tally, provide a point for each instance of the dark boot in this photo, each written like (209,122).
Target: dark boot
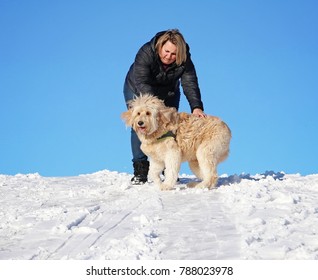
(141,169)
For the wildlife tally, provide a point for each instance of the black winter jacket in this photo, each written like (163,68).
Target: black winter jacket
(147,75)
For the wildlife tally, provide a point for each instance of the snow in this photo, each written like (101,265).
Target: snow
(99,216)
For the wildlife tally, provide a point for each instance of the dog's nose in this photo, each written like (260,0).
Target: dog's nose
(140,123)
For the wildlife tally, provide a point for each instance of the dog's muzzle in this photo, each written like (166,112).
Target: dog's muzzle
(141,127)
(141,123)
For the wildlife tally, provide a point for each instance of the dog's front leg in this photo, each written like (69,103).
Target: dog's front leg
(172,164)
(155,170)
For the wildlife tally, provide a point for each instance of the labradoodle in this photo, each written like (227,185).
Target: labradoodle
(169,138)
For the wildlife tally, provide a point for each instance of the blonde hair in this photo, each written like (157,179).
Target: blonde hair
(176,38)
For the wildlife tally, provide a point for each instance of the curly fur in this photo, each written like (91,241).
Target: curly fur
(203,142)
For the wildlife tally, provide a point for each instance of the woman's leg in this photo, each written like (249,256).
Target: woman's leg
(137,153)
(140,160)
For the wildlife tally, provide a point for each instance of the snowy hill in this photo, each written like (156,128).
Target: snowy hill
(99,216)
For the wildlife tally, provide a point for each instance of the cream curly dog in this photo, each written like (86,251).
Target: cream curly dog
(169,138)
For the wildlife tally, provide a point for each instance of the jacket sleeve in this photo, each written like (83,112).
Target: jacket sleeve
(190,85)
(142,70)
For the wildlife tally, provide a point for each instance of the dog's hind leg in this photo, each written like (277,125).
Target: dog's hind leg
(208,170)
(210,178)
(195,168)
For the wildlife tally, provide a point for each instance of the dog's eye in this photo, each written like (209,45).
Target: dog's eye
(138,113)
(148,113)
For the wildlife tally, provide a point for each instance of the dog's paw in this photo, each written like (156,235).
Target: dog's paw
(197,185)
(192,184)
(165,187)
(201,186)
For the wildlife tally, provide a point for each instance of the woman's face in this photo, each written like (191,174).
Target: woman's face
(168,53)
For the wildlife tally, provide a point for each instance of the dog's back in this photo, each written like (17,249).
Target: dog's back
(210,133)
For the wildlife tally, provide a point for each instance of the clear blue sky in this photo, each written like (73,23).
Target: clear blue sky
(63,64)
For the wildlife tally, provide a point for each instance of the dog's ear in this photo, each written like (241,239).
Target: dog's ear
(127,117)
(168,115)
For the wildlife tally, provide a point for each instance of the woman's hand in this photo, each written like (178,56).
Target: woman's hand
(199,113)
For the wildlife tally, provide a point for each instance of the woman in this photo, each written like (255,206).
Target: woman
(159,67)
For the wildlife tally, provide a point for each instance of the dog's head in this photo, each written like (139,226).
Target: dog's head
(148,114)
